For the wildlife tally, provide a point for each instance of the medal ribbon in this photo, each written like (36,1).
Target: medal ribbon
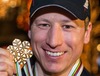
(77,69)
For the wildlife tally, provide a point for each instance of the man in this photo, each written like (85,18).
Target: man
(58,31)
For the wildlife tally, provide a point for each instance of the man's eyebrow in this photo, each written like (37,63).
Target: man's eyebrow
(42,19)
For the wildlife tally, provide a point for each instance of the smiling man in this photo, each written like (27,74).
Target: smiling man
(58,31)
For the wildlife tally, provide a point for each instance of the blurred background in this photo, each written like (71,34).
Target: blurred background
(14,20)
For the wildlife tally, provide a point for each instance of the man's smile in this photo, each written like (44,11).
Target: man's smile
(54,54)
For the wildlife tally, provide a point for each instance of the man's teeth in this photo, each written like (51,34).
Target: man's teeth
(54,53)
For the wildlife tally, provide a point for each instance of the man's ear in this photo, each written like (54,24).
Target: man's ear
(87,33)
(29,34)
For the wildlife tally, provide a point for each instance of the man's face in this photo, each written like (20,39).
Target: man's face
(57,41)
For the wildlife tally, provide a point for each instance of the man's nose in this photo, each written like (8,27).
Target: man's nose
(55,36)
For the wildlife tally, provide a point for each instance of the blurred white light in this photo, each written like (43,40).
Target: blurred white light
(13,4)
(5,1)
(98,47)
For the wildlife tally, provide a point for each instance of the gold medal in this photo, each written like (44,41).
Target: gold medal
(21,51)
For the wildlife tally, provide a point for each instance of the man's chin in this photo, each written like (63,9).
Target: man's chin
(54,70)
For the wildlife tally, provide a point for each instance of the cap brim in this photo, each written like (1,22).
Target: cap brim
(53,5)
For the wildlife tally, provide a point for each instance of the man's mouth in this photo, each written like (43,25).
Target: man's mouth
(54,54)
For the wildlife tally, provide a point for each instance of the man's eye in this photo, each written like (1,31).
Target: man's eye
(43,26)
(68,26)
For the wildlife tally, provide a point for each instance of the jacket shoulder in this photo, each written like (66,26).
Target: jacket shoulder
(85,72)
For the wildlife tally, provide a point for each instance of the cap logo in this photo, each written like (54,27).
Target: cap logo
(86,4)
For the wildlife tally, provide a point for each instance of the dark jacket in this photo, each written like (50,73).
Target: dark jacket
(86,73)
